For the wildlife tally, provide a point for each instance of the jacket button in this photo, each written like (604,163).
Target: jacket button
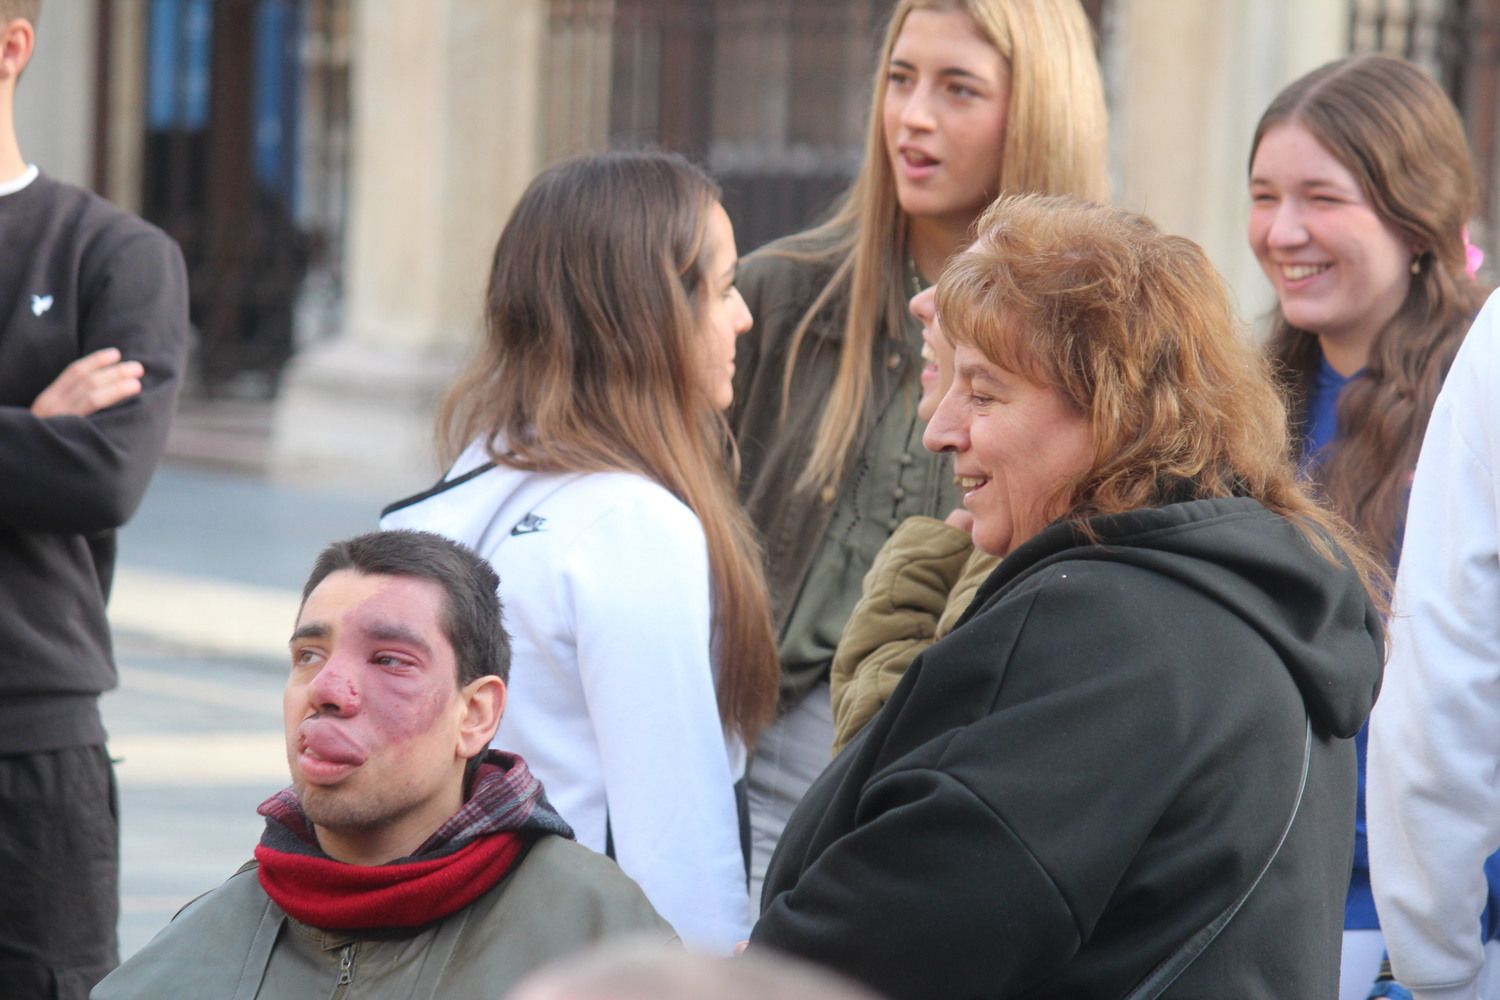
(828,494)
(906,458)
(893,524)
(893,362)
(898,493)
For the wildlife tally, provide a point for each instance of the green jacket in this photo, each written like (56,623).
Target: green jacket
(234,942)
(774,449)
(922,581)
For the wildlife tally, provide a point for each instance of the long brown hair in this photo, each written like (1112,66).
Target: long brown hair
(590,363)
(1135,330)
(1396,132)
(1056,140)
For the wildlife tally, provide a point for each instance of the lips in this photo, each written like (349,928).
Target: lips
(970,484)
(325,751)
(930,369)
(917,156)
(1301,272)
(916,162)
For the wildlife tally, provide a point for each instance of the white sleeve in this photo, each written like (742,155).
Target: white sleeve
(1433,799)
(639,584)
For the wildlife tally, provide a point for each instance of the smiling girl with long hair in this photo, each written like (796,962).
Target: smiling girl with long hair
(1361,185)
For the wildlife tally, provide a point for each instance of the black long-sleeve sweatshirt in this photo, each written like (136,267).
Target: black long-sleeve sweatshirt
(76,274)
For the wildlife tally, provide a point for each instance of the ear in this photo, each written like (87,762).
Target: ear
(17,41)
(483,701)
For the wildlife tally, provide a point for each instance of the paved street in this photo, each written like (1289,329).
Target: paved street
(204,600)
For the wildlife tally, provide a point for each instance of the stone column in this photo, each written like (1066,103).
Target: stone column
(126,66)
(445,136)
(1189,82)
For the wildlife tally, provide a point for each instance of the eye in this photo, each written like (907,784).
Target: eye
(898,77)
(962,90)
(1262,198)
(304,656)
(393,661)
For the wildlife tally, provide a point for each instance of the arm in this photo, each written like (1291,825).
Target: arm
(930,861)
(639,584)
(905,592)
(87,471)
(977,569)
(1433,803)
(994,875)
(92,383)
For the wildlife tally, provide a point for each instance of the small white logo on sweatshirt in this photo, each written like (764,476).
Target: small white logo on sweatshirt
(40,304)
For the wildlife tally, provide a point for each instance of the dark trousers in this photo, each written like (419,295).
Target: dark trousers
(59,873)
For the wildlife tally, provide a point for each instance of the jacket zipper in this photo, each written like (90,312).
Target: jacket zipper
(346,970)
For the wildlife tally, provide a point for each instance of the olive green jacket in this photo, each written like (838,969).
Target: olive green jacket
(234,942)
(774,448)
(921,582)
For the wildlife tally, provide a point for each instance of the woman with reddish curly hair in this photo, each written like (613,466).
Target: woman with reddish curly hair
(1130,766)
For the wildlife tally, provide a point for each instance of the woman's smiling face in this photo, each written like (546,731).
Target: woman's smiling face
(1017,449)
(1339,270)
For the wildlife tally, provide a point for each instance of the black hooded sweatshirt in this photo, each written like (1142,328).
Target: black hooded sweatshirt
(1092,766)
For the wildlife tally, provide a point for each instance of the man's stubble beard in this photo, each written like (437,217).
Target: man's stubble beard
(339,809)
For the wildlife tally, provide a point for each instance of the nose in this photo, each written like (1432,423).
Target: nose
(742,319)
(1287,228)
(947,430)
(916,110)
(334,690)
(923,305)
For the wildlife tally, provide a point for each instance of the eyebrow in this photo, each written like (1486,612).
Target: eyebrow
(397,633)
(1313,182)
(946,71)
(972,371)
(312,630)
(1324,182)
(379,633)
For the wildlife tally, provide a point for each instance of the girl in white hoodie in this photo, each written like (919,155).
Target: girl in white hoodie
(589,466)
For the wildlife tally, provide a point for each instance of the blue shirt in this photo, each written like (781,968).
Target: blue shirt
(1322,413)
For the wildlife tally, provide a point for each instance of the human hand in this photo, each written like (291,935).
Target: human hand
(960,519)
(94,382)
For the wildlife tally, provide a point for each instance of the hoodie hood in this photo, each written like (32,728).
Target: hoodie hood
(1315,613)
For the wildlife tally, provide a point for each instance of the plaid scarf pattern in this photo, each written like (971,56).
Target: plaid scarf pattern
(464,858)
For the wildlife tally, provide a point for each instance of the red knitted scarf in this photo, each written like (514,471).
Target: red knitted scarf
(460,862)
(328,893)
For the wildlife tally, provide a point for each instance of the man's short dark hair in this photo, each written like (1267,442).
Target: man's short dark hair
(28,10)
(471,618)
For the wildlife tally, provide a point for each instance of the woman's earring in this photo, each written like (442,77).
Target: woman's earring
(1416,264)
